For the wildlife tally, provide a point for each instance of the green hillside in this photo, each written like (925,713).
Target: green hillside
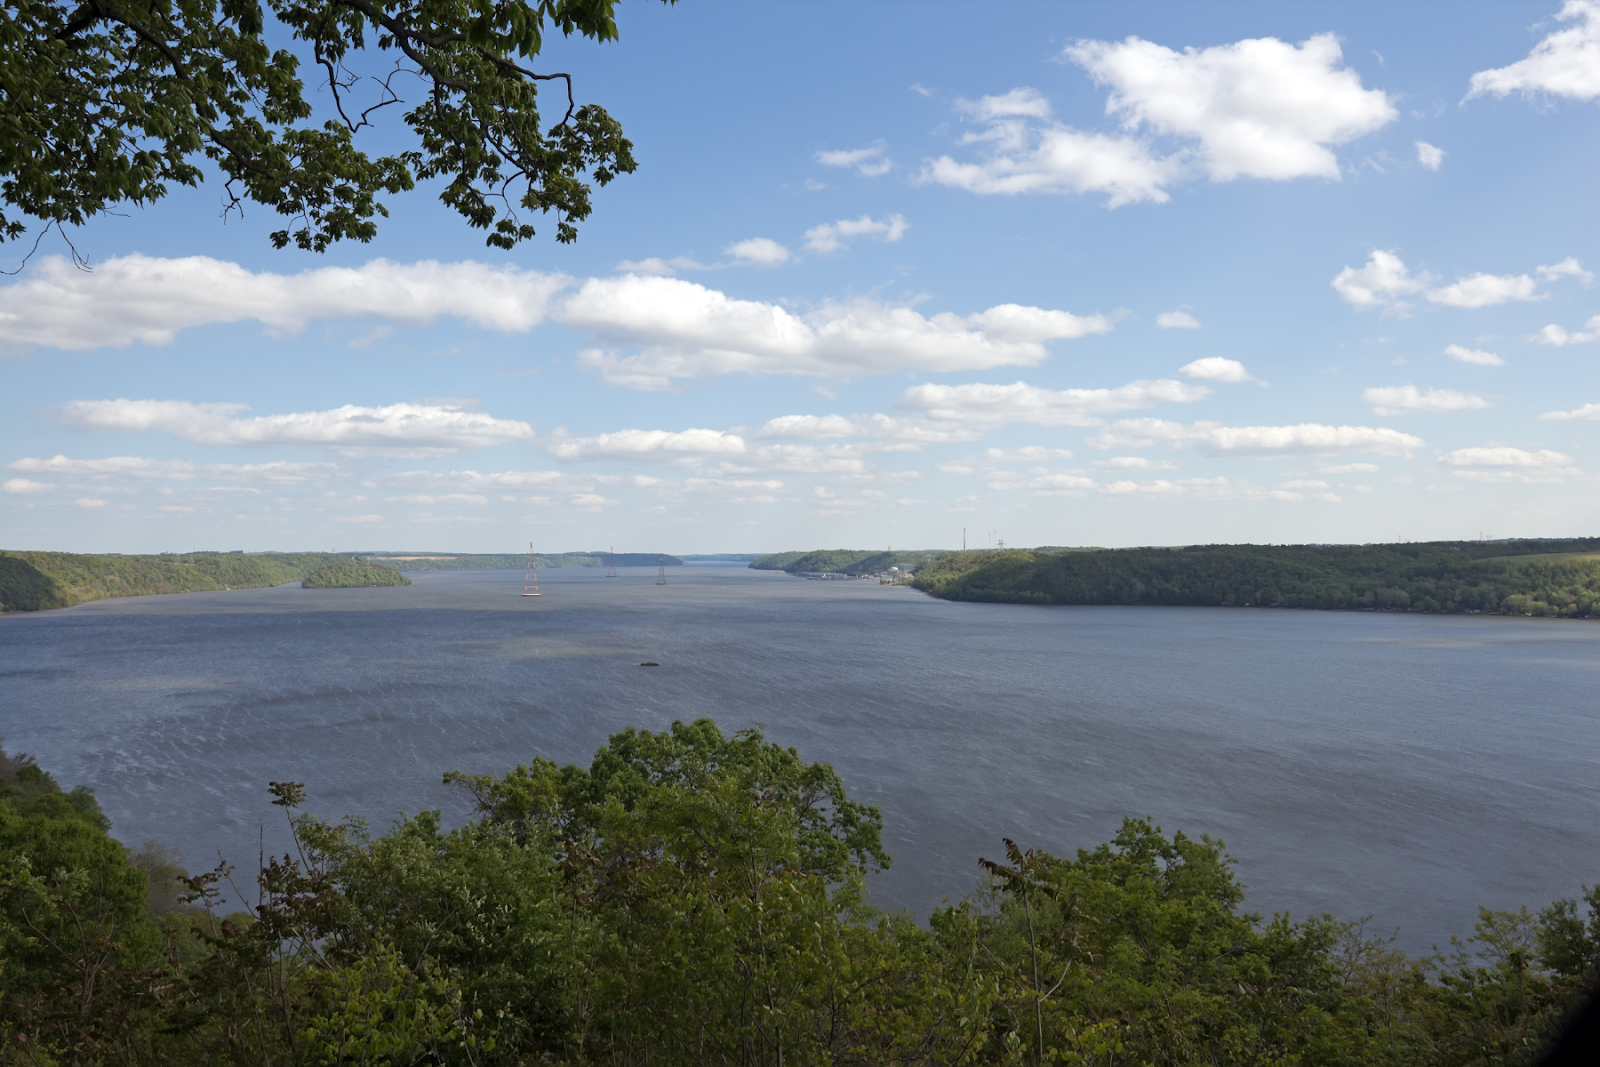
(854,561)
(353,573)
(1542,578)
(33,581)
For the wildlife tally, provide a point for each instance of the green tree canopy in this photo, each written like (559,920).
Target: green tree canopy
(108,102)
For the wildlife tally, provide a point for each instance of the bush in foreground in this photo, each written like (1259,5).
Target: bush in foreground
(695,898)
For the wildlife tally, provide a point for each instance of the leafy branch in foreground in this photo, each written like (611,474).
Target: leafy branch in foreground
(109,102)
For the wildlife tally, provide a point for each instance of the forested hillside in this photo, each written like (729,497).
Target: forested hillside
(1555,578)
(349,572)
(692,898)
(34,581)
(843,561)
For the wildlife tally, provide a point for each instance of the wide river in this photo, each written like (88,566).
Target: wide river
(1405,767)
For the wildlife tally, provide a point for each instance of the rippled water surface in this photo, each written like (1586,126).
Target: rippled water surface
(1408,767)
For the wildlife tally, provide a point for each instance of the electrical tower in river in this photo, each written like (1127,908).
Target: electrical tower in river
(612,571)
(661,569)
(530,577)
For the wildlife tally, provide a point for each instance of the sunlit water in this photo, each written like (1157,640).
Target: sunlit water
(1406,767)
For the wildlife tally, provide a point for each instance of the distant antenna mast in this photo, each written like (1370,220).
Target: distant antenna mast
(530,577)
(661,569)
(612,573)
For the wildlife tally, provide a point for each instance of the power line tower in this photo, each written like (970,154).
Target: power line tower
(530,577)
(612,572)
(661,568)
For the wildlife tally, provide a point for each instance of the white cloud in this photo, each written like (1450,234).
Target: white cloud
(758,252)
(411,428)
(1429,156)
(1385,279)
(25,487)
(1216,369)
(1177,320)
(1025,454)
(1588,411)
(1018,103)
(362,520)
(1498,464)
(1059,159)
(1347,468)
(1215,439)
(1566,62)
(1260,108)
(1503,456)
(686,330)
(1485,290)
(1380,282)
(831,236)
(1567,268)
(1399,399)
(90,502)
(869,162)
(1560,338)
(1135,463)
(1221,489)
(652,265)
(446,498)
(1473,355)
(138,468)
(649,445)
(808,427)
(146,299)
(980,405)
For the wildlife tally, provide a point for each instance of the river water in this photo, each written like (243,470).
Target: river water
(1405,767)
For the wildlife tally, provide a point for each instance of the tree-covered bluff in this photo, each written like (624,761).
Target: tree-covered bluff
(1552,578)
(353,573)
(696,898)
(37,581)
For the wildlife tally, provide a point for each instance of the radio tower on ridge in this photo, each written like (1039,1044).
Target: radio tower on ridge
(661,568)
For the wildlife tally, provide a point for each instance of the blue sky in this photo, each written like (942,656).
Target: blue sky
(1107,273)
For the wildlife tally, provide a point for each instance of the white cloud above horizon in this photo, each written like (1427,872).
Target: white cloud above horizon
(1430,156)
(1384,280)
(870,162)
(1216,369)
(414,429)
(1565,63)
(1462,354)
(150,299)
(687,331)
(1177,320)
(833,236)
(1260,108)
(1558,337)
(1401,399)
(1587,411)
(1211,438)
(684,330)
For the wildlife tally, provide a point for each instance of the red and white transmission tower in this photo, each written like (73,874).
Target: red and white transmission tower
(661,568)
(530,577)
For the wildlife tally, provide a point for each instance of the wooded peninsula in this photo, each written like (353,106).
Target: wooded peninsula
(692,898)
(1543,577)
(37,581)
